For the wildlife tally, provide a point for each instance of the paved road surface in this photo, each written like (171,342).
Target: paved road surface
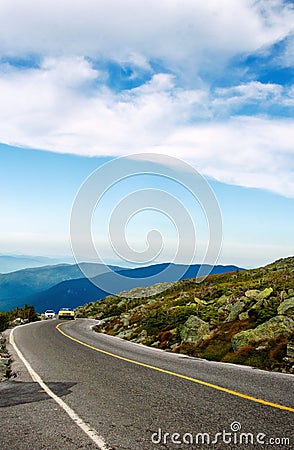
(136,398)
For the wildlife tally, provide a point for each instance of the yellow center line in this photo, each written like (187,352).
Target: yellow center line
(178,375)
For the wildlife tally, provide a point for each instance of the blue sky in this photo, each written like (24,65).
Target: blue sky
(209,83)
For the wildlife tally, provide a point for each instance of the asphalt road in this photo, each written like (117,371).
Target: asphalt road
(135,397)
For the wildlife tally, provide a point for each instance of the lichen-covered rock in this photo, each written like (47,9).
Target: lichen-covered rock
(277,326)
(259,304)
(286,308)
(125,318)
(223,300)
(290,350)
(236,310)
(199,301)
(244,315)
(252,293)
(259,295)
(195,330)
(266,292)
(141,337)
(225,309)
(126,334)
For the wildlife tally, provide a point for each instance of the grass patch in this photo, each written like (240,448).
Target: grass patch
(266,354)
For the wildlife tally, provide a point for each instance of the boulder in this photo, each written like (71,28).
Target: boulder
(126,334)
(195,330)
(257,294)
(4,362)
(286,308)
(223,299)
(5,370)
(290,350)
(277,326)
(141,337)
(258,305)
(235,311)
(244,315)
(252,293)
(125,318)
(225,309)
(199,301)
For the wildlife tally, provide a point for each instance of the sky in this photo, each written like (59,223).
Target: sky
(208,84)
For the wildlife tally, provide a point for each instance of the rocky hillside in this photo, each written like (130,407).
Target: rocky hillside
(244,317)
(5,360)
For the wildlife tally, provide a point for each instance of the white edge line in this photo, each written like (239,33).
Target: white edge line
(92,434)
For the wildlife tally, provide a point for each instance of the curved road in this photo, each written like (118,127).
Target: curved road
(114,394)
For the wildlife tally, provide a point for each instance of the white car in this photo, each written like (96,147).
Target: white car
(49,314)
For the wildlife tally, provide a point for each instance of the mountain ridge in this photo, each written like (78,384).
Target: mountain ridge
(13,263)
(17,287)
(78,290)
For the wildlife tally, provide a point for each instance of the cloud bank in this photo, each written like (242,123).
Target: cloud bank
(200,81)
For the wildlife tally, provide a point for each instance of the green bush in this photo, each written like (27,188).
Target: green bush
(27,313)
(4,321)
(155,321)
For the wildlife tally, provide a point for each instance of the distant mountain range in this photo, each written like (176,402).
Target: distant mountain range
(17,288)
(52,287)
(11,263)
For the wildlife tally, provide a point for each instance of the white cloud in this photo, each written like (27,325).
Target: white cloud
(183,34)
(253,152)
(288,57)
(254,94)
(254,91)
(289,100)
(46,108)
(64,105)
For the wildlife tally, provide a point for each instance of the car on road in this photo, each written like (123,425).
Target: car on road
(49,314)
(66,313)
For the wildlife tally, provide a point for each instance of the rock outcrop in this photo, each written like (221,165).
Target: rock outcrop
(259,295)
(273,328)
(286,308)
(237,309)
(195,330)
